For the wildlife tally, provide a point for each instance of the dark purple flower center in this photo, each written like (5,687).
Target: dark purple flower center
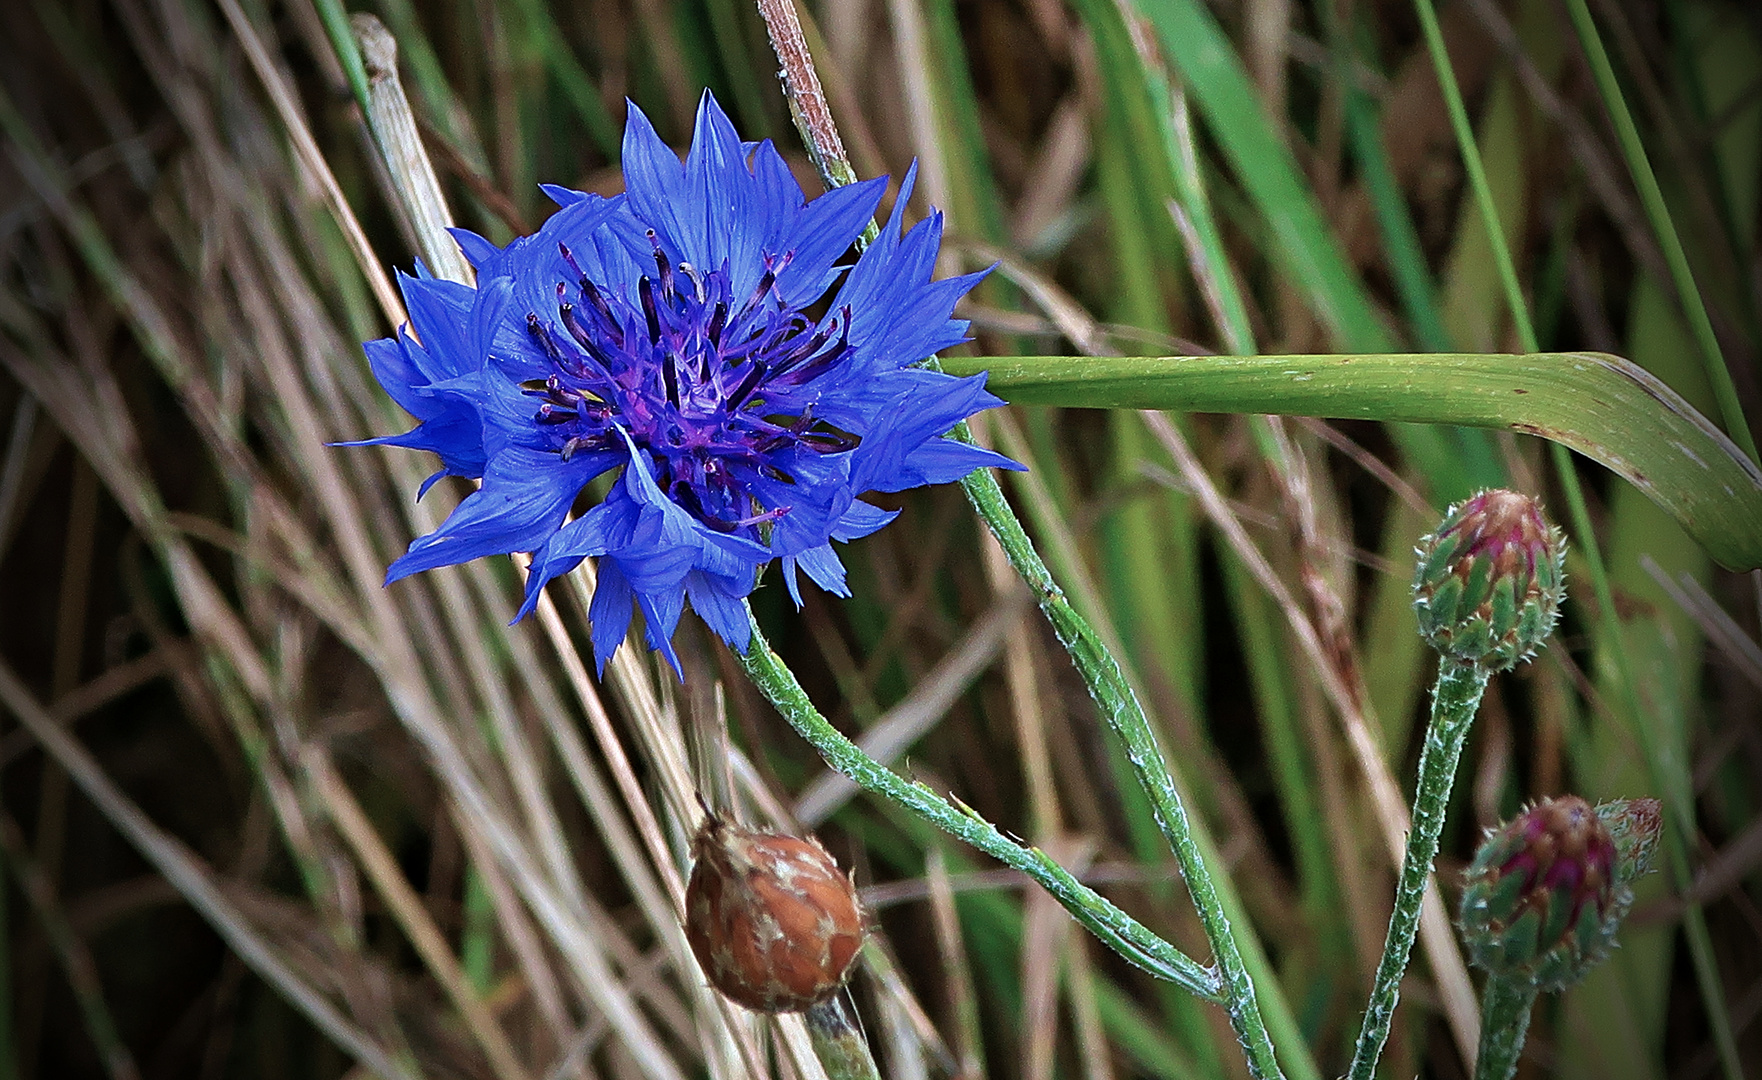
(717,390)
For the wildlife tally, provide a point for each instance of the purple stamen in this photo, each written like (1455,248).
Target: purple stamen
(569,260)
(646,290)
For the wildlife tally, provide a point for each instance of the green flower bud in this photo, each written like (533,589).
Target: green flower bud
(1548,889)
(1490,580)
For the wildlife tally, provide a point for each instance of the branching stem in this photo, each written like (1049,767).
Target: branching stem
(1118,930)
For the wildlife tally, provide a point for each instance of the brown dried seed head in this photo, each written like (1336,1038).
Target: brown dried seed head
(771,919)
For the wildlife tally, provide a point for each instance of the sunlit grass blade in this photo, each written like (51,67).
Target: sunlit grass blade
(1602,406)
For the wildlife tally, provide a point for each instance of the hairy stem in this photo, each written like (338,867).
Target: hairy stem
(1125,716)
(1454,700)
(1120,931)
(1505,1020)
(1101,672)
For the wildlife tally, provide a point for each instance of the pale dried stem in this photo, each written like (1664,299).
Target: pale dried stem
(414,180)
(200,599)
(958,974)
(192,880)
(413,918)
(311,159)
(77,965)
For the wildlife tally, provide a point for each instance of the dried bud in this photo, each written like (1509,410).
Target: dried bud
(1544,896)
(1489,582)
(772,921)
(1634,826)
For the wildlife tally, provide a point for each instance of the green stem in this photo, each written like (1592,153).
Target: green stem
(839,1043)
(1505,1020)
(1454,700)
(1120,708)
(336,26)
(1118,930)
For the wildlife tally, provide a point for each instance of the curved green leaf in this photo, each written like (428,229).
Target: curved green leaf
(1602,406)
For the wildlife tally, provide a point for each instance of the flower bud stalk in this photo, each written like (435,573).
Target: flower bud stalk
(1455,697)
(839,1042)
(1487,592)
(1505,1022)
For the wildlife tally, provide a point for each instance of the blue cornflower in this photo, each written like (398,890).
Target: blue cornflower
(667,333)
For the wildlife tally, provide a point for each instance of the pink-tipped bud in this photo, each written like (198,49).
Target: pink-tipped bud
(1545,894)
(771,919)
(1490,580)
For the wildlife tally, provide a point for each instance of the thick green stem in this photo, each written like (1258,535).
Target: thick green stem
(1120,708)
(1118,930)
(839,1043)
(1505,1020)
(1454,700)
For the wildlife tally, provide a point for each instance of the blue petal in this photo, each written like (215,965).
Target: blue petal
(478,251)
(861,519)
(394,365)
(823,565)
(499,333)
(780,201)
(609,613)
(654,180)
(604,238)
(660,614)
(943,461)
(441,313)
(456,436)
(450,423)
(590,534)
(789,581)
(562,196)
(824,231)
(524,497)
(722,194)
(872,266)
(720,608)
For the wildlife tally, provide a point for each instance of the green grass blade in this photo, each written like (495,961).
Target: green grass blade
(572,79)
(1302,243)
(1652,197)
(1680,802)
(336,27)
(1606,408)
(1312,257)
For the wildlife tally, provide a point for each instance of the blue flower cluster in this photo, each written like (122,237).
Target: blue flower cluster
(667,332)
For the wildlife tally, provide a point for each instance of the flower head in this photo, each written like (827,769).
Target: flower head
(1490,580)
(1548,889)
(671,334)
